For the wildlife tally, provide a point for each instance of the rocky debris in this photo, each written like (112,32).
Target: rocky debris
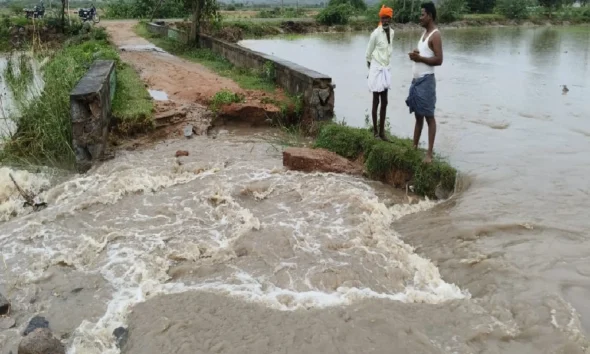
(41,341)
(121,334)
(36,323)
(4,305)
(181,153)
(6,323)
(251,112)
(320,160)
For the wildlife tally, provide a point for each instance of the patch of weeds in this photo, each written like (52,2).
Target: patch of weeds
(19,76)
(382,157)
(133,105)
(269,71)
(224,97)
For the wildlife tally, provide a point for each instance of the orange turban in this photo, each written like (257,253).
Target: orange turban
(386,12)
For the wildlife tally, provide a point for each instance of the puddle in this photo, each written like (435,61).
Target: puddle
(142,48)
(158,95)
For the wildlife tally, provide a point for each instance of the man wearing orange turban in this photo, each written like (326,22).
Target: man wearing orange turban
(378,58)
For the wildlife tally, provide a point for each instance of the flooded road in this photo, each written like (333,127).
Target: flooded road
(225,252)
(504,120)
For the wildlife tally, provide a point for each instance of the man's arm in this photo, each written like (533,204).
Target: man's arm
(436,46)
(370,49)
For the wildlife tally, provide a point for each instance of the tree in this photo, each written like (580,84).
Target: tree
(64,4)
(513,9)
(202,10)
(450,10)
(481,6)
(550,5)
(359,5)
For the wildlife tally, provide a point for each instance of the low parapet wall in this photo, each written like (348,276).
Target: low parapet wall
(90,108)
(316,89)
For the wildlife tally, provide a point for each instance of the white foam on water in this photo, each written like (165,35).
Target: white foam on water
(427,287)
(11,201)
(133,219)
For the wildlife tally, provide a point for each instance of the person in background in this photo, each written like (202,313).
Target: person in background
(378,57)
(422,96)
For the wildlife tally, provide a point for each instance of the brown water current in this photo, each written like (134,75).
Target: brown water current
(224,251)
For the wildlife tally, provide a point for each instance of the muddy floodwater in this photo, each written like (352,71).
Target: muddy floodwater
(225,252)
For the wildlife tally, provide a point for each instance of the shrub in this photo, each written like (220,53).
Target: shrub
(358,5)
(404,11)
(481,6)
(144,9)
(513,9)
(451,10)
(335,15)
(382,157)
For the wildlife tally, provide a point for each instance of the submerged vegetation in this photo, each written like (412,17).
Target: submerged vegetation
(44,128)
(381,158)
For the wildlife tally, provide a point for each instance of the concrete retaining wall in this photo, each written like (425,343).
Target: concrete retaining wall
(316,89)
(90,108)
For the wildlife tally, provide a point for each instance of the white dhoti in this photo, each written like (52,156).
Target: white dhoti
(379,77)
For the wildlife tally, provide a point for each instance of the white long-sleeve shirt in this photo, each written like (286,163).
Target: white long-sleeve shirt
(378,48)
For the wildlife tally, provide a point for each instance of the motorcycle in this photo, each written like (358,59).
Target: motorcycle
(89,15)
(36,12)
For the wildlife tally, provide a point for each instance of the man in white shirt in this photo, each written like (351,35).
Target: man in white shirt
(378,57)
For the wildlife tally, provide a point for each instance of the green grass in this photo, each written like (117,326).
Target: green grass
(246,79)
(382,157)
(44,126)
(484,17)
(19,76)
(224,97)
(133,105)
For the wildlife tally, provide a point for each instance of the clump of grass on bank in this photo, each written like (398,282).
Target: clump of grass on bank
(44,126)
(133,105)
(246,79)
(19,77)
(224,97)
(382,157)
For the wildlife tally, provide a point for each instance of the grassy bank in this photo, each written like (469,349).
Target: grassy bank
(383,158)
(44,129)
(235,30)
(246,79)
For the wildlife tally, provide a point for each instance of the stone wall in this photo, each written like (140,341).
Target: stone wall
(316,89)
(90,108)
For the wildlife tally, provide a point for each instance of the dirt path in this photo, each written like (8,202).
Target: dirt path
(189,86)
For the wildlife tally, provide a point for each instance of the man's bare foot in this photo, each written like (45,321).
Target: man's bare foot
(428,158)
(384,138)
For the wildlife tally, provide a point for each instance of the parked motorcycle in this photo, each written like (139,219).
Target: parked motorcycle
(89,15)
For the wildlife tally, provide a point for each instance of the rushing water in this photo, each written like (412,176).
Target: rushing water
(250,258)
(504,119)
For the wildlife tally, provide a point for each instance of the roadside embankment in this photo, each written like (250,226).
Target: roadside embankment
(396,162)
(44,128)
(314,89)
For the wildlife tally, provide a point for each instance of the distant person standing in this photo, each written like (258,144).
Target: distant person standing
(422,97)
(378,57)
